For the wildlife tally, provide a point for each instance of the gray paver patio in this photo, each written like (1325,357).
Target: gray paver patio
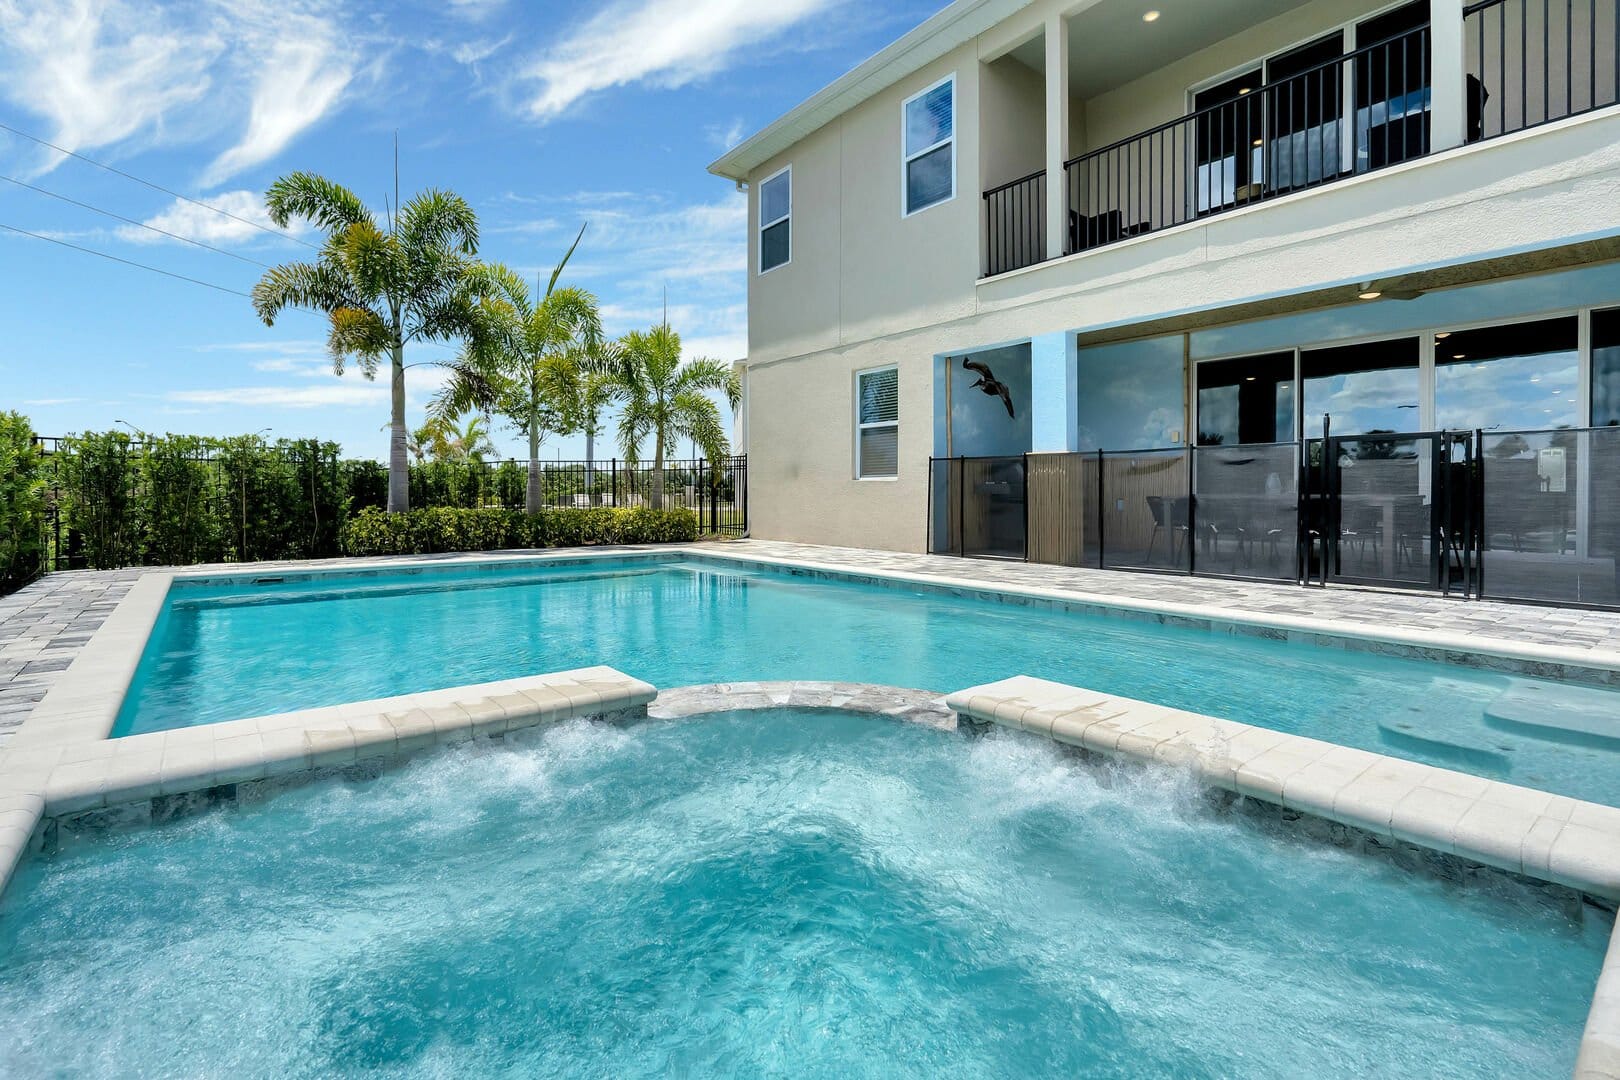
(44,626)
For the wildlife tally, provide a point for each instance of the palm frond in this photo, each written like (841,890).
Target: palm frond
(327,205)
(321,286)
(438,219)
(557,273)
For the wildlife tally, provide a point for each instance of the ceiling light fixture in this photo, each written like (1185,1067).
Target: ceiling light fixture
(1370,294)
(1150,16)
(1442,335)
(1458,356)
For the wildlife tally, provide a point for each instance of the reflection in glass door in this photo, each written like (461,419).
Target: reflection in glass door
(1392,87)
(1367,388)
(1229,145)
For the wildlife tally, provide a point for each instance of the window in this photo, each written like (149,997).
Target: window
(1367,389)
(1606,368)
(1246,400)
(929,137)
(775,210)
(1518,377)
(877,424)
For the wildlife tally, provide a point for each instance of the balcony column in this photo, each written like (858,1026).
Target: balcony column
(1448,110)
(1057,134)
(1054,406)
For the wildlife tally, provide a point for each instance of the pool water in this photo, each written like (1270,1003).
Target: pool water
(773,894)
(222,652)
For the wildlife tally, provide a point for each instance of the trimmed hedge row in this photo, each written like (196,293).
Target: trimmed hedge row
(445,529)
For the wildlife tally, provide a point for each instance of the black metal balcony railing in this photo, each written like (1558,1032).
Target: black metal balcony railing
(1015,224)
(1347,116)
(1531,62)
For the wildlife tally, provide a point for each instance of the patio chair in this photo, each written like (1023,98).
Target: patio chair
(1166,519)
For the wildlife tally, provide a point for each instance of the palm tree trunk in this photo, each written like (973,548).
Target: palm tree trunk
(658,470)
(531,495)
(399,463)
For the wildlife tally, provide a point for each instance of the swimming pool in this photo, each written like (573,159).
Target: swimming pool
(772,894)
(223,651)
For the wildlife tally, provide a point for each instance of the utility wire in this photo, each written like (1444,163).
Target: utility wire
(126,262)
(155,187)
(132,221)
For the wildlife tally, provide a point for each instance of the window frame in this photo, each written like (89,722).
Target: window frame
(786,170)
(861,428)
(906,159)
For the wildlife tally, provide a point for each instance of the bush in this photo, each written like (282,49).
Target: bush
(446,529)
(22,503)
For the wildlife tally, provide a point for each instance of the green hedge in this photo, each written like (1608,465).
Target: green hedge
(22,503)
(447,529)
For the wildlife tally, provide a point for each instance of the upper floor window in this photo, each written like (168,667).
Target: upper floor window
(929,136)
(877,424)
(775,212)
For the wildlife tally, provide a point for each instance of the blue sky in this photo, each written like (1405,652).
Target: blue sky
(543,115)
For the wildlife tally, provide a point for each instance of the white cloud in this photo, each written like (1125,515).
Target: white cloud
(286,397)
(100,72)
(724,138)
(43,402)
(200,223)
(297,78)
(103,72)
(668,43)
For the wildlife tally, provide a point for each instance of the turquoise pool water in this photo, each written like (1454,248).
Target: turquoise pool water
(222,652)
(777,895)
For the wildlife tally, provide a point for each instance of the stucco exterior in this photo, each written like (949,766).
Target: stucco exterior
(868,286)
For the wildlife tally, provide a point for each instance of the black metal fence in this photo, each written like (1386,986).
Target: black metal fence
(115,501)
(1531,62)
(1015,224)
(1346,116)
(1527,515)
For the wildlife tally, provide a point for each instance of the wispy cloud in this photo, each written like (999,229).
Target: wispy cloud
(200,223)
(724,137)
(104,72)
(297,79)
(666,43)
(285,397)
(640,246)
(100,72)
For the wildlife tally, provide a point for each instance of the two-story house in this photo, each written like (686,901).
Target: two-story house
(1088,281)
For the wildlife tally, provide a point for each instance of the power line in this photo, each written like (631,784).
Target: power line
(155,187)
(132,221)
(127,262)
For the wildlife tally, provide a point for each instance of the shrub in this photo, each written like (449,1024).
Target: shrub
(445,529)
(22,503)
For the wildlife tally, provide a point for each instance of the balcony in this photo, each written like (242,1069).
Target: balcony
(1316,115)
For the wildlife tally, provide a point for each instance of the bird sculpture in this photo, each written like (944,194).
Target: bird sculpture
(991,385)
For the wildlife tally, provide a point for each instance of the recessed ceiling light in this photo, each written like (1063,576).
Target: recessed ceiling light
(1248,378)
(1243,91)
(1150,16)
(1458,356)
(1442,335)
(1370,294)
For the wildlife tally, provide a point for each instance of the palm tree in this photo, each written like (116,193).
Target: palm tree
(662,397)
(583,387)
(513,361)
(379,288)
(468,441)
